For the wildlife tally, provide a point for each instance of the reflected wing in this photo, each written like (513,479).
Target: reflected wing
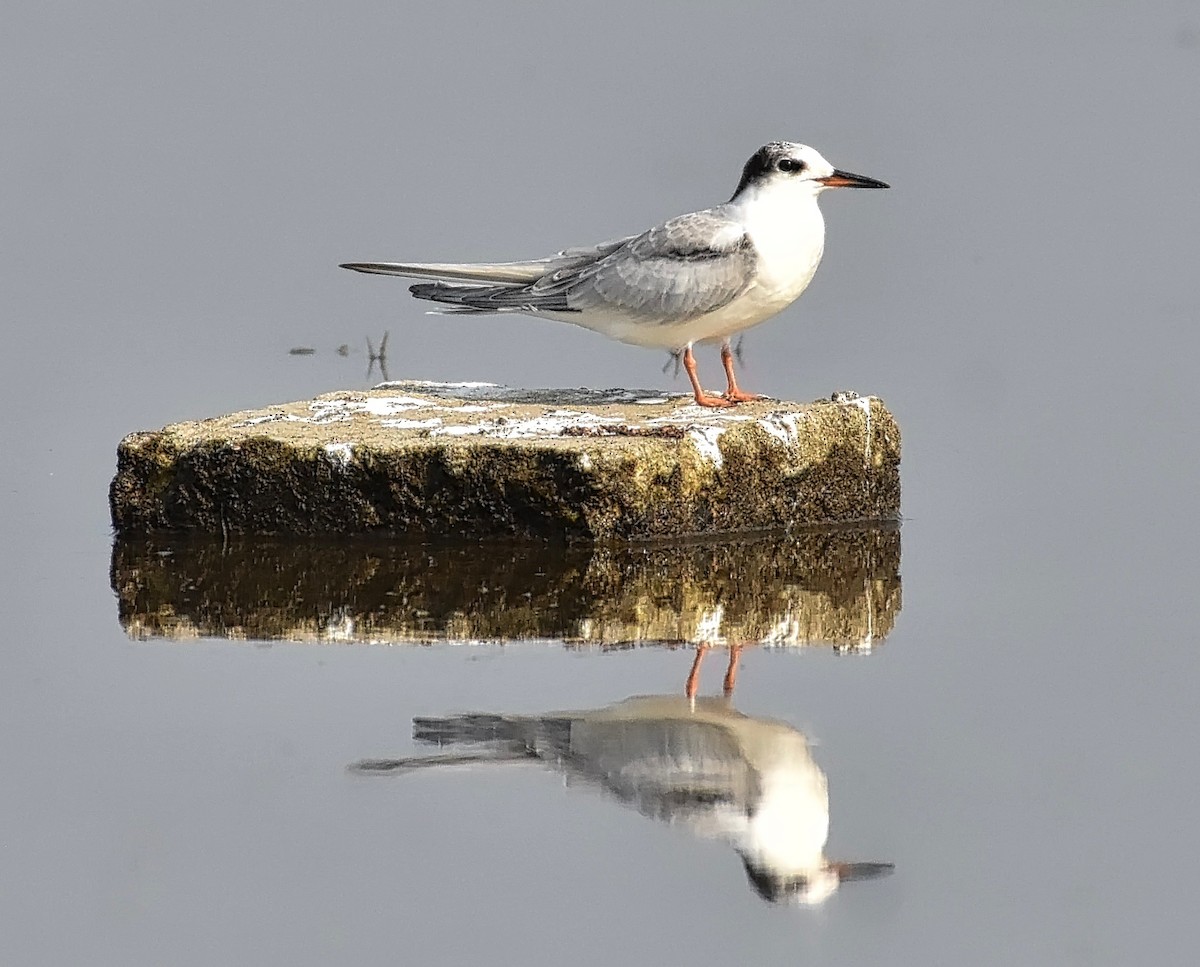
(666,768)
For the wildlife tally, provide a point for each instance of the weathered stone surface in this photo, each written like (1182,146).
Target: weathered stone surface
(838,587)
(484,461)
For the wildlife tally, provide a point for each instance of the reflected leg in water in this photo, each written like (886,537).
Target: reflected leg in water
(735,655)
(692,688)
(693,679)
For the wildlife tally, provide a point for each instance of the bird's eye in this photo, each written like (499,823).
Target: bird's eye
(790,164)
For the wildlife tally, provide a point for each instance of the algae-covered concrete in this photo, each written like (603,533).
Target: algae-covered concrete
(838,587)
(477,460)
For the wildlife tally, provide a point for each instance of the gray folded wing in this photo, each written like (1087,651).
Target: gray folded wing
(686,267)
(509,273)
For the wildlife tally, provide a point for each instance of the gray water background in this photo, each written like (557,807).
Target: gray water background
(179,183)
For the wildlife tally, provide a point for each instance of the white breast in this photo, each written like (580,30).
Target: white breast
(789,238)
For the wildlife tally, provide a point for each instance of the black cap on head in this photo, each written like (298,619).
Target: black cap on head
(761,163)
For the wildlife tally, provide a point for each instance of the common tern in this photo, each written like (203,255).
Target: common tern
(695,278)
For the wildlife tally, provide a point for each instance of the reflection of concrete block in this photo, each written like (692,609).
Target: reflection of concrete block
(837,586)
(483,461)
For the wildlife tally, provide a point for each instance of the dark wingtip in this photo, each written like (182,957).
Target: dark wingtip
(428,290)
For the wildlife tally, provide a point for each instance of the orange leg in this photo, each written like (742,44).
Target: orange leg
(693,679)
(692,688)
(735,652)
(702,398)
(733,394)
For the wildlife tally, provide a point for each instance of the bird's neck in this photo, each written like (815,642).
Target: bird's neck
(781,212)
(787,230)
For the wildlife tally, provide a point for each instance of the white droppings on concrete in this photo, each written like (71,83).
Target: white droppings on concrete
(864,404)
(412,424)
(784,427)
(704,439)
(339,454)
(390,405)
(549,424)
(477,430)
(339,410)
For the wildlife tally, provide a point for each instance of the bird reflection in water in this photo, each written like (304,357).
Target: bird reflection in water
(692,762)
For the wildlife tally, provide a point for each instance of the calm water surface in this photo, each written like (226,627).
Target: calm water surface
(1003,707)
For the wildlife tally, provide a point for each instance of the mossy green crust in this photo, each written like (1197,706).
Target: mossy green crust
(485,462)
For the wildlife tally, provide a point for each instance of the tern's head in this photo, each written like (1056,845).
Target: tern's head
(796,169)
